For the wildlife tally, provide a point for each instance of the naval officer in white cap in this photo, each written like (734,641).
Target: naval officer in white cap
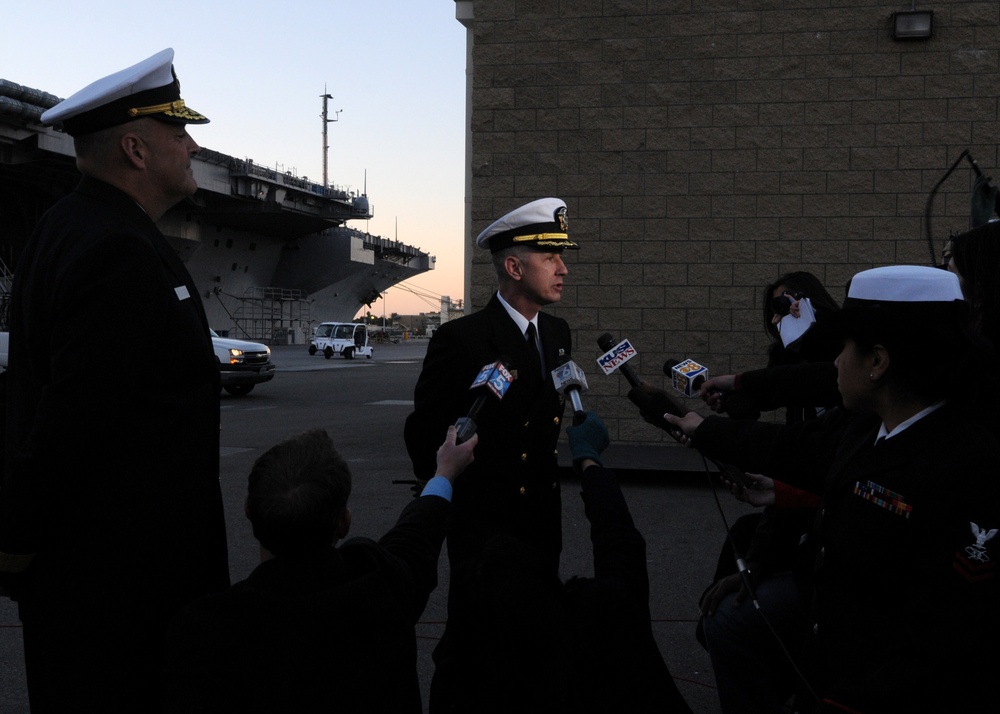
(111,514)
(512,487)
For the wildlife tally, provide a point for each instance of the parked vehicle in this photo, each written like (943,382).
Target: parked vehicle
(242,365)
(347,339)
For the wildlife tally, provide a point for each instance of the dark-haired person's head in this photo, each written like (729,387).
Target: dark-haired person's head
(795,286)
(297,496)
(974,256)
(779,297)
(906,330)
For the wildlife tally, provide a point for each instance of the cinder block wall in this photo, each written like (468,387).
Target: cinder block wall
(705,148)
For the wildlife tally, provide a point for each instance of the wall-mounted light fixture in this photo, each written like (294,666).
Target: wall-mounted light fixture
(913,24)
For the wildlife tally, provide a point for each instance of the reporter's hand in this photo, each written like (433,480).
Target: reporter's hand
(711,390)
(651,401)
(684,426)
(588,439)
(759,492)
(452,458)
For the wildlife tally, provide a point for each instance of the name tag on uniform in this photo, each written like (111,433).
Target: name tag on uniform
(182,292)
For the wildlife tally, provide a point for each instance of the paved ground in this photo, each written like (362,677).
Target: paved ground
(362,403)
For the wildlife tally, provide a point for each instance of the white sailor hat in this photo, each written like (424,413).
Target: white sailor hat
(900,299)
(903,284)
(147,89)
(539,224)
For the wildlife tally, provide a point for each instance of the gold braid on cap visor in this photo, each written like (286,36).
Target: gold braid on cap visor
(175,108)
(544,239)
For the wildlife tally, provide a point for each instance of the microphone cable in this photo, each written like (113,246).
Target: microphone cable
(747,582)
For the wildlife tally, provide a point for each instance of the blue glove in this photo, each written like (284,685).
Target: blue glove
(588,439)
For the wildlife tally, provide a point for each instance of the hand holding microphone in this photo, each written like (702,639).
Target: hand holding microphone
(588,439)
(652,402)
(494,378)
(714,390)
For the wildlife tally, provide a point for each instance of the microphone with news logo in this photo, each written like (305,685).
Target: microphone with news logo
(687,376)
(652,403)
(493,379)
(571,381)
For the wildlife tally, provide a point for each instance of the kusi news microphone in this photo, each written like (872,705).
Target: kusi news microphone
(493,379)
(570,380)
(650,402)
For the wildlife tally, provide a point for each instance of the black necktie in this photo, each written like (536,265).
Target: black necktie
(536,360)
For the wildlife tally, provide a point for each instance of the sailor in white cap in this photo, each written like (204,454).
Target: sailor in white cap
(111,514)
(147,89)
(903,554)
(539,224)
(513,485)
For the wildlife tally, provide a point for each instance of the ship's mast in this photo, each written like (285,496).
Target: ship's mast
(326,120)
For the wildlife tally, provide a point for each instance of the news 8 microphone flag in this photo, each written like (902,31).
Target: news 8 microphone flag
(688,376)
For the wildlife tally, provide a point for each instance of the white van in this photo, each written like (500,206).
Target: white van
(348,339)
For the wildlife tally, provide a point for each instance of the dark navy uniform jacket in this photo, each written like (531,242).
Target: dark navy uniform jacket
(904,583)
(113,423)
(512,486)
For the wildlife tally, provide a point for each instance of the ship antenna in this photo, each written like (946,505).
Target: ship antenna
(326,146)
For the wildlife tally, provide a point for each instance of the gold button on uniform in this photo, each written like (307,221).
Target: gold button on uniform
(555,421)
(521,490)
(524,457)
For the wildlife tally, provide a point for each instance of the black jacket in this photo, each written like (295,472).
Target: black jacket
(332,632)
(512,486)
(536,644)
(904,581)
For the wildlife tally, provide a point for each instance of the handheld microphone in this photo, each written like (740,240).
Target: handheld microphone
(735,404)
(493,378)
(652,403)
(687,376)
(617,357)
(571,381)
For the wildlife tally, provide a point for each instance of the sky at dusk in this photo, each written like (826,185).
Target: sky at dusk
(258,70)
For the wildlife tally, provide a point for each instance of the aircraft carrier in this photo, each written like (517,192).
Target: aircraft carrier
(271,253)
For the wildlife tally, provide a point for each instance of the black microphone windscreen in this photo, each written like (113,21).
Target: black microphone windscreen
(669,365)
(606,341)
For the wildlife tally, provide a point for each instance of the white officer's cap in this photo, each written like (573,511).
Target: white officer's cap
(147,89)
(540,224)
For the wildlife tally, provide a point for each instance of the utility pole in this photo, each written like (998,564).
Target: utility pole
(326,145)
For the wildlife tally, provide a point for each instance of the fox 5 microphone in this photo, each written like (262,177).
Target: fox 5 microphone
(571,381)
(652,402)
(493,378)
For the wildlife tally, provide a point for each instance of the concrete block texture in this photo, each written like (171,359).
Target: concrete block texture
(703,149)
